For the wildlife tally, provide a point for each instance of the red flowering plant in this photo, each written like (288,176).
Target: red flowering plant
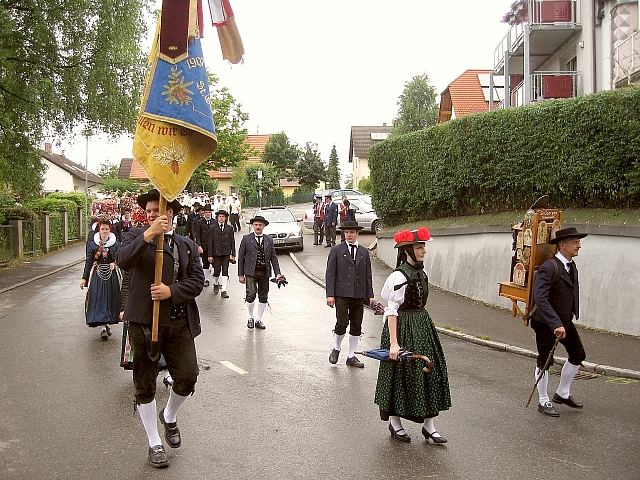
(105,208)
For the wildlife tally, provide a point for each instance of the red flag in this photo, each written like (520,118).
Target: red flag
(225,23)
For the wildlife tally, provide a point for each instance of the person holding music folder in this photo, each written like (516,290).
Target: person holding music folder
(179,319)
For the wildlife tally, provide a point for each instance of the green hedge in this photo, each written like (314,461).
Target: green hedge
(584,152)
(75,197)
(52,204)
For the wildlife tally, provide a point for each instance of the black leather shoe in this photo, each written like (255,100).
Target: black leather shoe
(428,436)
(569,402)
(103,334)
(206,283)
(260,325)
(216,288)
(224,294)
(158,457)
(333,356)
(548,409)
(171,432)
(354,362)
(402,437)
(108,330)
(250,323)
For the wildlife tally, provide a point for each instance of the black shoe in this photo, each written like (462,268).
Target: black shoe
(216,288)
(315,243)
(171,432)
(333,356)
(224,294)
(108,330)
(260,325)
(548,409)
(250,323)
(158,457)
(402,437)
(354,362)
(569,402)
(206,283)
(428,436)
(167,383)
(103,334)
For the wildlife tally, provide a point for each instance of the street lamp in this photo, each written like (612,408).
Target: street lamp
(87,133)
(259,174)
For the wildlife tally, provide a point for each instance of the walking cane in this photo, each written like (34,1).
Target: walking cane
(546,365)
(158,272)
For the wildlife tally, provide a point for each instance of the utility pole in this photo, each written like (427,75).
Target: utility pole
(259,174)
(86,133)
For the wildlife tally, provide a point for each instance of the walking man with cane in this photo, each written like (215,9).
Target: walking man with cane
(556,295)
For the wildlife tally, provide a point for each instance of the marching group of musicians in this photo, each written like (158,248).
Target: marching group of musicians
(198,248)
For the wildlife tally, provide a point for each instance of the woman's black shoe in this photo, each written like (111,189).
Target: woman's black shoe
(428,436)
(402,437)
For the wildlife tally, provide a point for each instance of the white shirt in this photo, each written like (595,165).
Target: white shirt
(394,298)
(566,262)
(349,247)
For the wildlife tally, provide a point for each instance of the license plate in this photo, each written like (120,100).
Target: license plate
(277,241)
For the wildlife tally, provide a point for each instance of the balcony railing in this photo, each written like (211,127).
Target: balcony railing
(626,58)
(547,85)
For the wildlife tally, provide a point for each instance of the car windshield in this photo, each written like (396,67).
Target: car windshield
(277,216)
(361,204)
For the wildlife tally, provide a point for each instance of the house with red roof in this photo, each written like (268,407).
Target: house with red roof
(469,93)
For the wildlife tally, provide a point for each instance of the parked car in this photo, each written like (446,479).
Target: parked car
(283,227)
(349,192)
(364,213)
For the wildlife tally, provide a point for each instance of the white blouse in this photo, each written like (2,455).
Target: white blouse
(394,298)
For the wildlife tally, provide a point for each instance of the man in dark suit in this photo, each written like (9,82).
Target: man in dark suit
(256,257)
(123,225)
(349,283)
(222,249)
(556,295)
(179,321)
(330,220)
(201,237)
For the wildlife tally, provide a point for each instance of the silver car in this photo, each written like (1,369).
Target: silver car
(364,213)
(283,227)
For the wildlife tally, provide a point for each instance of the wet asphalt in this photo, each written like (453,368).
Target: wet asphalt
(68,407)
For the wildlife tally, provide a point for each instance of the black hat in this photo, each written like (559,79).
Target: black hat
(154,195)
(222,212)
(259,218)
(566,233)
(197,204)
(350,225)
(207,207)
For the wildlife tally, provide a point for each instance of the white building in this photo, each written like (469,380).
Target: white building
(63,175)
(362,138)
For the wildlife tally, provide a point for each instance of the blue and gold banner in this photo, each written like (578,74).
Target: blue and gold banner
(175,132)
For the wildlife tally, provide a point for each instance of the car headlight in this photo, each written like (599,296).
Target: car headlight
(296,234)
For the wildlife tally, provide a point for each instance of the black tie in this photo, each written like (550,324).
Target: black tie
(222,226)
(169,241)
(353,252)
(259,239)
(573,272)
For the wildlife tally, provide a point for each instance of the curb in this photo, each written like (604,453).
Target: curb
(38,277)
(503,347)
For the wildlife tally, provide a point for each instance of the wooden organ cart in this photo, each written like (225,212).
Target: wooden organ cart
(530,250)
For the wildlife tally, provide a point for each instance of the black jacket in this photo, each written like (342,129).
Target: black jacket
(555,294)
(221,242)
(248,255)
(344,278)
(201,232)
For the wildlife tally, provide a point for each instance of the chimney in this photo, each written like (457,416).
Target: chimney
(384,124)
(48,147)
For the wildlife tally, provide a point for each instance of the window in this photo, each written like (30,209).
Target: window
(572,65)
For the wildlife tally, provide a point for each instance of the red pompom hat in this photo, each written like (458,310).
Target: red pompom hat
(410,237)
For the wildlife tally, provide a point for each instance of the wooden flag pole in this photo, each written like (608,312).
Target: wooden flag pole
(158,272)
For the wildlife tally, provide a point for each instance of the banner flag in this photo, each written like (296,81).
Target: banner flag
(223,19)
(175,132)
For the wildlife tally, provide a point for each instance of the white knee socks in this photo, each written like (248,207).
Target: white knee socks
(223,283)
(250,306)
(216,281)
(149,416)
(171,410)
(542,386)
(206,274)
(569,371)
(353,345)
(261,309)
(338,341)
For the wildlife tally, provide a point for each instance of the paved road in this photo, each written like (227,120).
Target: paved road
(67,406)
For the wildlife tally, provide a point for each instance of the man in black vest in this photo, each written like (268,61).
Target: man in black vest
(349,283)
(222,249)
(179,321)
(256,257)
(556,294)
(201,237)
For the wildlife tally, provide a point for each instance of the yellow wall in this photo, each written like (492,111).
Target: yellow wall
(288,191)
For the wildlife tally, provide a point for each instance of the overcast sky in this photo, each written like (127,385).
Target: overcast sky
(315,68)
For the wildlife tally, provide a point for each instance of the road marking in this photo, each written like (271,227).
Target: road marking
(233,367)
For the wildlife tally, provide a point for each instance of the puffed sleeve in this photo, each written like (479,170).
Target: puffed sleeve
(394,298)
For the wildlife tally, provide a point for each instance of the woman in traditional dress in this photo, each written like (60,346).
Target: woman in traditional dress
(102,304)
(403,389)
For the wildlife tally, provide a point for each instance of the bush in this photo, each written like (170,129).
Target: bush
(583,152)
(76,197)
(364,185)
(51,204)
(24,213)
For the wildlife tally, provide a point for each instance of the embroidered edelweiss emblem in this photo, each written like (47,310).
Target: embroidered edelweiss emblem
(177,90)
(174,155)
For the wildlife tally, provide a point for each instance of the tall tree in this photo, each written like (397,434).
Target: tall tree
(246,179)
(108,170)
(333,170)
(417,106)
(310,169)
(65,63)
(282,154)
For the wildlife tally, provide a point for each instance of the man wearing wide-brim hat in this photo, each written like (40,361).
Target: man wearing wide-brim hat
(256,259)
(349,283)
(556,296)
(179,319)
(221,250)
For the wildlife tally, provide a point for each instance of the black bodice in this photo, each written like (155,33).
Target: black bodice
(417,291)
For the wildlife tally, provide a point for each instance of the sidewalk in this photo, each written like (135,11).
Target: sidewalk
(36,268)
(458,316)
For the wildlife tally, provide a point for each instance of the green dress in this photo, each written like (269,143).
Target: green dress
(403,389)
